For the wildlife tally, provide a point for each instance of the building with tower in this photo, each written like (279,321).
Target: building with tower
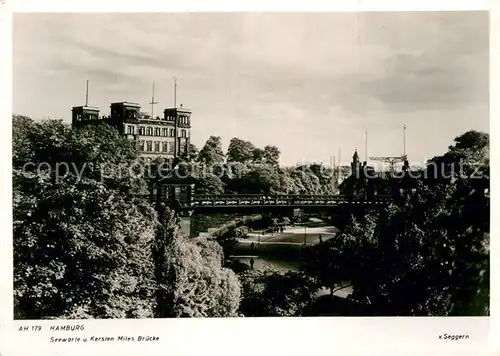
(167,137)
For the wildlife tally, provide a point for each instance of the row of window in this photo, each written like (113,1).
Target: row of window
(182,119)
(79,117)
(156,146)
(149,131)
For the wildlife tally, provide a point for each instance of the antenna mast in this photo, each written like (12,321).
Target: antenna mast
(404,141)
(153,102)
(87,94)
(366,147)
(175,92)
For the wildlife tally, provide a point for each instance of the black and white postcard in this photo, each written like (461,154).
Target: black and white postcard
(248,182)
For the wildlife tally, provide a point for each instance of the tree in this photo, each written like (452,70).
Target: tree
(430,262)
(335,263)
(233,177)
(305,182)
(212,153)
(259,155)
(209,184)
(470,151)
(317,177)
(82,230)
(272,155)
(270,293)
(286,183)
(260,180)
(191,278)
(240,151)
(427,254)
(191,155)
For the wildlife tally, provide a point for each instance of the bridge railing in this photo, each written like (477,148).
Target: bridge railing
(281,200)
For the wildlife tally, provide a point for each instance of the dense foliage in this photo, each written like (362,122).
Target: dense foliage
(88,245)
(192,281)
(81,236)
(270,293)
(246,169)
(425,255)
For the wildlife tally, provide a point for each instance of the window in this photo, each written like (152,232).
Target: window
(157,132)
(130,129)
(157,146)
(141,145)
(150,131)
(170,147)
(142,130)
(164,147)
(172,133)
(149,146)
(132,114)
(165,132)
(183,133)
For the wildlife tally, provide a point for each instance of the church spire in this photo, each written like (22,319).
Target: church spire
(355,156)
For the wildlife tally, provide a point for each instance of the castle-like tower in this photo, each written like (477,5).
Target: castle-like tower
(83,115)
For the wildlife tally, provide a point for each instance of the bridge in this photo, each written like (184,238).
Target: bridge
(177,193)
(197,208)
(231,201)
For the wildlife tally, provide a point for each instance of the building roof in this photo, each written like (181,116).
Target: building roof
(89,108)
(181,109)
(126,103)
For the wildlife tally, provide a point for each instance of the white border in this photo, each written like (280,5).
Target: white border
(305,336)
(254,5)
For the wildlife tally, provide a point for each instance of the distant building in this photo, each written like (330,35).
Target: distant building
(365,181)
(166,137)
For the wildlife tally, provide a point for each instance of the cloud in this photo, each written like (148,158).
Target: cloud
(268,77)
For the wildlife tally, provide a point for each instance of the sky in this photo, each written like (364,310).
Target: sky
(310,83)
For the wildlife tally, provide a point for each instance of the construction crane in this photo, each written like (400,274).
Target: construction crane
(393,160)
